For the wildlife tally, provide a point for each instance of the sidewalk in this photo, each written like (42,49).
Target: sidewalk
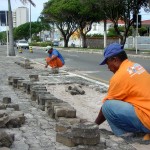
(38,132)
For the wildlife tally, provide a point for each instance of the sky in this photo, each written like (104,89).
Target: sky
(35,11)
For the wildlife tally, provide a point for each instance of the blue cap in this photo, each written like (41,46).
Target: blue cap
(111,50)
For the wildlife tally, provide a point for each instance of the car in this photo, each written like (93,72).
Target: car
(22,44)
(56,43)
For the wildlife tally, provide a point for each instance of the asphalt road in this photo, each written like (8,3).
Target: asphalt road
(85,64)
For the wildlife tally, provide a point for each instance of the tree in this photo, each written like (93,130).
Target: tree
(56,12)
(3,37)
(116,10)
(85,14)
(11,51)
(70,15)
(23,31)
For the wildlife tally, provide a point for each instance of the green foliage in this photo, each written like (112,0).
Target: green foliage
(23,31)
(3,36)
(95,35)
(143,31)
(41,44)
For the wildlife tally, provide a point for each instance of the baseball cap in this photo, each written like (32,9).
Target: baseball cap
(48,48)
(111,50)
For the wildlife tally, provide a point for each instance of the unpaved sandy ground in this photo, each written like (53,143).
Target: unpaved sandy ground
(87,105)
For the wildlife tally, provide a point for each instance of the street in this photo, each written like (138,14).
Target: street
(85,64)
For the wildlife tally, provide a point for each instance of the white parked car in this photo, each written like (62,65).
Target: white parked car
(22,44)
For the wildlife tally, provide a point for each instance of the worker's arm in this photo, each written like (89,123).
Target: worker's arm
(53,57)
(100,118)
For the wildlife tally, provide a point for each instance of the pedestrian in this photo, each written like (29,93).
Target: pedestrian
(126,106)
(55,60)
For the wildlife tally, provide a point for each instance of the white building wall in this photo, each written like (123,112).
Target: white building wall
(98,27)
(22,16)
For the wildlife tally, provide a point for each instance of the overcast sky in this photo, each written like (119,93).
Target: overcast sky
(35,11)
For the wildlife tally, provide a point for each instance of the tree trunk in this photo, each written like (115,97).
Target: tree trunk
(66,42)
(11,38)
(84,43)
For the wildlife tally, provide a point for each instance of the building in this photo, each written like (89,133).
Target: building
(20,16)
(98,27)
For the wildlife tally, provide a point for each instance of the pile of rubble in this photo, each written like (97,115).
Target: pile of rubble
(25,64)
(10,117)
(75,89)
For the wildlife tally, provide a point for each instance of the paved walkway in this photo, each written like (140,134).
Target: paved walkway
(38,132)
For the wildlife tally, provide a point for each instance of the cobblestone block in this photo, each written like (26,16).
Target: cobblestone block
(27,86)
(51,112)
(65,138)
(65,123)
(16,119)
(14,106)
(62,126)
(6,139)
(6,100)
(71,121)
(37,86)
(35,93)
(42,98)
(79,134)
(10,80)
(86,141)
(15,81)
(27,64)
(34,77)
(49,103)
(75,89)
(3,119)
(2,106)
(19,84)
(64,111)
(86,130)
(42,107)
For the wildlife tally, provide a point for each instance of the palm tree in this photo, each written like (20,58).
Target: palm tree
(11,51)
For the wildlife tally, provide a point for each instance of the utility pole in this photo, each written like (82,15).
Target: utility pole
(30,25)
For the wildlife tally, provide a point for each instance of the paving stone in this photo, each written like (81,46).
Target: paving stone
(65,138)
(34,77)
(6,100)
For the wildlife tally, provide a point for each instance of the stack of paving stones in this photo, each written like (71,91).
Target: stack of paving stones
(10,117)
(71,131)
(78,133)
(25,64)
(75,132)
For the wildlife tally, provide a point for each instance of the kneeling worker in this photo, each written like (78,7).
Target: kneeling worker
(55,59)
(126,106)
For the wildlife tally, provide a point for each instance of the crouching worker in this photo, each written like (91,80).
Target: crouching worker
(55,60)
(126,106)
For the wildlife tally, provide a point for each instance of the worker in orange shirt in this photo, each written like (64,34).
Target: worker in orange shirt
(126,106)
(55,60)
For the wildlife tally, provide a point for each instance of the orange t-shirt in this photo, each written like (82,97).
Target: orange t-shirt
(131,83)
